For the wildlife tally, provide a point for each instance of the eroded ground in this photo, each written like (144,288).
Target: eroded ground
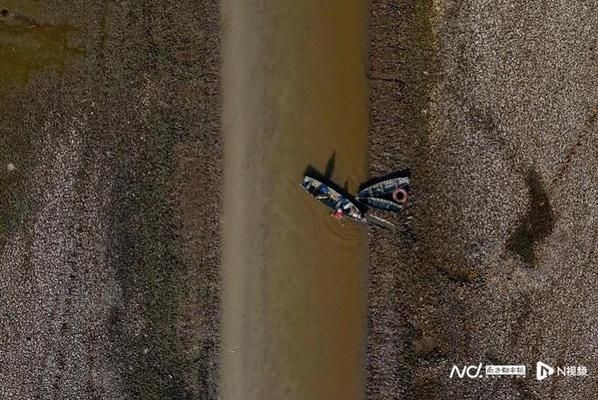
(109,151)
(493,107)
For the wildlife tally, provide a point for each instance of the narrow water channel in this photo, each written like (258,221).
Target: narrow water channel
(295,95)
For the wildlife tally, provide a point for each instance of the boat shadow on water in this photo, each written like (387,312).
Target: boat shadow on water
(388,193)
(326,178)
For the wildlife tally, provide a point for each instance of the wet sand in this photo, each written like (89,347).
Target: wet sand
(294,279)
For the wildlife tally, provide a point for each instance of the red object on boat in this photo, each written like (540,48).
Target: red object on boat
(338,214)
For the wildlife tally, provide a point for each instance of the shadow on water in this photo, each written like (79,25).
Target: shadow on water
(29,46)
(330,170)
(330,166)
(326,176)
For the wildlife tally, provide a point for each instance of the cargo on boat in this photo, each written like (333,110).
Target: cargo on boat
(340,204)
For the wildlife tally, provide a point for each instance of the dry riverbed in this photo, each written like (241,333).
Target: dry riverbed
(110,157)
(492,105)
(110,166)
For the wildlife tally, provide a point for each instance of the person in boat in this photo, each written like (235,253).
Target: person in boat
(338,214)
(323,192)
(343,208)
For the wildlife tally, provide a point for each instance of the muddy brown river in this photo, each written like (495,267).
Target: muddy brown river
(294,304)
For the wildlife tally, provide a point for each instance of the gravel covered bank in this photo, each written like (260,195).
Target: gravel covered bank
(492,105)
(109,257)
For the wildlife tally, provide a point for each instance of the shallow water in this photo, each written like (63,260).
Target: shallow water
(294,299)
(28,45)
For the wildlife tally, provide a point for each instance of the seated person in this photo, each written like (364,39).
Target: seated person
(323,192)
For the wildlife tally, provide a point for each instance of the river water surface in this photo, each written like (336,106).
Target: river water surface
(295,95)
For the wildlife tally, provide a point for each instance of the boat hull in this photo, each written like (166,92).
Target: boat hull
(332,198)
(388,195)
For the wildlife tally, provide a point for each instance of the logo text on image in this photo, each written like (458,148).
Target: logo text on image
(471,371)
(505,370)
(481,371)
(543,371)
